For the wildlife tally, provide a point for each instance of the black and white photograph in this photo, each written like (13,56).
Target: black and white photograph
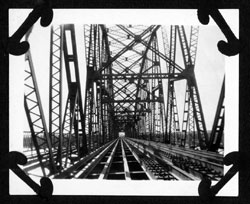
(106,104)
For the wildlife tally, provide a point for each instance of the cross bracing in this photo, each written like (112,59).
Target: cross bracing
(131,72)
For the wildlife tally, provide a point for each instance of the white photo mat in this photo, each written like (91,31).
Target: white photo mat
(123,16)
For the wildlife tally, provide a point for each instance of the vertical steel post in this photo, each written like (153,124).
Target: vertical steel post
(192,85)
(218,125)
(74,87)
(55,91)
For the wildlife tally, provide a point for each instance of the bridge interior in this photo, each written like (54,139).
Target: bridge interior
(125,125)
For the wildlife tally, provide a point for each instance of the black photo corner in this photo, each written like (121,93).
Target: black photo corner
(112,148)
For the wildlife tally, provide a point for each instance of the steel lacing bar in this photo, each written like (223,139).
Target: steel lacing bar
(40,117)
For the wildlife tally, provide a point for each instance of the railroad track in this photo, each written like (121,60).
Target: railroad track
(188,164)
(154,168)
(117,161)
(33,162)
(133,159)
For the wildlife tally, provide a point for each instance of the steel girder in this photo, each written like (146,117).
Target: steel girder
(218,126)
(126,40)
(99,120)
(90,109)
(73,123)
(129,73)
(131,94)
(36,119)
(128,65)
(188,124)
(55,91)
(151,122)
(172,118)
(189,62)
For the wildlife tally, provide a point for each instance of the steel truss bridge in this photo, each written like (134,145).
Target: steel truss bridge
(126,124)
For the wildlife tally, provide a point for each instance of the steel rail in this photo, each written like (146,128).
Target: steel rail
(74,169)
(178,172)
(196,162)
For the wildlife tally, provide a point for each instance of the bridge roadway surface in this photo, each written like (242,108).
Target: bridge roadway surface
(134,159)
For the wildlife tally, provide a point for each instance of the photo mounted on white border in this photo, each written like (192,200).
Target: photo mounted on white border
(124,102)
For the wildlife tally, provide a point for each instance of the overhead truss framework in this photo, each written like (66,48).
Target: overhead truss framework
(124,92)
(121,63)
(125,79)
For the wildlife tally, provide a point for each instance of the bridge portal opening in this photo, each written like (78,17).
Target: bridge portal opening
(121,134)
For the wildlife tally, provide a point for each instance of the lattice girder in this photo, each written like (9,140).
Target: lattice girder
(74,87)
(36,119)
(98,114)
(172,118)
(189,55)
(55,91)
